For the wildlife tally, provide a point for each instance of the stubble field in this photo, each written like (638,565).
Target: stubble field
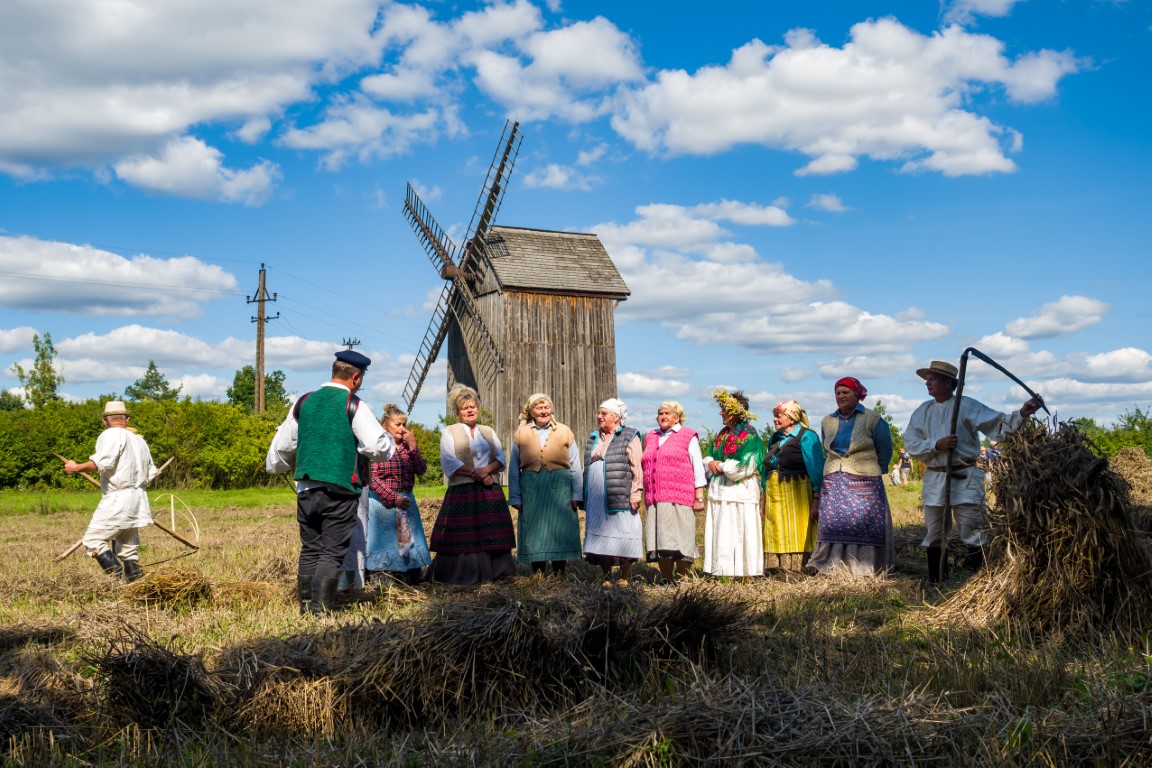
(206,662)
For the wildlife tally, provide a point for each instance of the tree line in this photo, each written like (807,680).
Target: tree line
(215,445)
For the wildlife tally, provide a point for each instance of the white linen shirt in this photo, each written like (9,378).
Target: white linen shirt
(125,466)
(932,421)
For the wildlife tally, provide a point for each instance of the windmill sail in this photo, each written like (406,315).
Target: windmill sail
(437,245)
(456,299)
(492,193)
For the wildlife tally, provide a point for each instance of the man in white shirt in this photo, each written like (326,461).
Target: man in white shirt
(125,465)
(929,438)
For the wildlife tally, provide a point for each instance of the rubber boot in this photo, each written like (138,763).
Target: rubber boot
(974,560)
(132,570)
(413,577)
(937,565)
(304,591)
(110,564)
(323,595)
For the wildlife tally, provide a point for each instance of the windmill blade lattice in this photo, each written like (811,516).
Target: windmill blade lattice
(439,247)
(492,193)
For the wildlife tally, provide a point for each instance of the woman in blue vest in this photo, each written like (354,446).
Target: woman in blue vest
(473,537)
(855,528)
(613,487)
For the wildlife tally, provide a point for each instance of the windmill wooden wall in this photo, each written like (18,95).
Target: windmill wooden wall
(549,299)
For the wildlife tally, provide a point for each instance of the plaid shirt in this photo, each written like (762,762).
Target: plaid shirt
(398,474)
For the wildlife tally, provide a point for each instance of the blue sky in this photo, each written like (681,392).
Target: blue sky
(793,191)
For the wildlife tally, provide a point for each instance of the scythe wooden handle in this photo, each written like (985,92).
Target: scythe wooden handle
(174,535)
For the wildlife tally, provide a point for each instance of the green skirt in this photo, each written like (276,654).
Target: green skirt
(549,529)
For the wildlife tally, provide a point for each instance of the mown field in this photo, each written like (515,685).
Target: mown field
(206,662)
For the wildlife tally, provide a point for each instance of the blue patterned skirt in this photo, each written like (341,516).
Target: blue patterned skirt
(853,510)
(382,550)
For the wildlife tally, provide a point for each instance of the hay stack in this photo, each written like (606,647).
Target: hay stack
(1066,557)
(1135,467)
(168,587)
(143,682)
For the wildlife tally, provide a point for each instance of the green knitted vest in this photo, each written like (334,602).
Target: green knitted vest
(325,446)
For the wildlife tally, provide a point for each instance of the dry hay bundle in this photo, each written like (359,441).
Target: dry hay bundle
(18,635)
(274,569)
(143,682)
(1066,558)
(170,587)
(1135,467)
(734,722)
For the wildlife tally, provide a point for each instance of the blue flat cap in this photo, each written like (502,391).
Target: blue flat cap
(353,358)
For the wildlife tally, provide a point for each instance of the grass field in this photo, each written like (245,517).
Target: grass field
(212,666)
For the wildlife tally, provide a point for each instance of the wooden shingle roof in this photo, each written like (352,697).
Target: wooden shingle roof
(553,262)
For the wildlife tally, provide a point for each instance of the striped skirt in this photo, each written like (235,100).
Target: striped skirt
(473,518)
(787,517)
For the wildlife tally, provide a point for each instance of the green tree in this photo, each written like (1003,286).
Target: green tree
(43,380)
(10,402)
(243,389)
(897,435)
(152,386)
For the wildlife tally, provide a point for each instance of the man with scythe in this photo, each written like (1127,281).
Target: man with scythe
(125,465)
(931,439)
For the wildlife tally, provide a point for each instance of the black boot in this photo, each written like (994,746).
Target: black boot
(110,564)
(974,560)
(132,570)
(937,564)
(304,591)
(323,595)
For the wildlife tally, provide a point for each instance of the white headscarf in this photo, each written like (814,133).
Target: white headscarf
(617,407)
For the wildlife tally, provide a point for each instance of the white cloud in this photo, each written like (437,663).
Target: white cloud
(870,366)
(188,167)
(589,156)
(356,128)
(87,81)
(1066,315)
(794,375)
(12,339)
(830,203)
(890,94)
(555,176)
(83,280)
(726,294)
(963,11)
(640,384)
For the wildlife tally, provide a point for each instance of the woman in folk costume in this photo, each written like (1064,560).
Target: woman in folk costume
(855,528)
(793,472)
(473,537)
(545,487)
(613,487)
(733,543)
(394,533)
(673,492)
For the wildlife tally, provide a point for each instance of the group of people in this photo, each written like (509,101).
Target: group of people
(802,501)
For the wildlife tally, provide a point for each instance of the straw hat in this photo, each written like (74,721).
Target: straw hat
(114,408)
(940,367)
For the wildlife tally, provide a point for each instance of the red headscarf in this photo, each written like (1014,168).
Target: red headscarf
(854,385)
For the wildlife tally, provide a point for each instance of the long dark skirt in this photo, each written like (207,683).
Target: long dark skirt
(473,536)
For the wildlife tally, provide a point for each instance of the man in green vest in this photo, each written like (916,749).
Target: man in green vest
(321,440)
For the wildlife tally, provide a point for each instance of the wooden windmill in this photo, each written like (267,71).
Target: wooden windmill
(522,310)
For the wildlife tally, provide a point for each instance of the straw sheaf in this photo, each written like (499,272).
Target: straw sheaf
(1066,558)
(170,587)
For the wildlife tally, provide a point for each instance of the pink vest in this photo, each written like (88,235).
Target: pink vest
(668,472)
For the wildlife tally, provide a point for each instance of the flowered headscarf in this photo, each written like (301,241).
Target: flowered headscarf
(792,410)
(854,385)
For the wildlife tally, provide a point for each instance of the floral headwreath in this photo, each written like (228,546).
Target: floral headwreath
(731,405)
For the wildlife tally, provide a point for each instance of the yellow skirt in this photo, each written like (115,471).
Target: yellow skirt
(788,528)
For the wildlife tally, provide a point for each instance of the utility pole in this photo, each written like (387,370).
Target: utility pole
(261,297)
(351,343)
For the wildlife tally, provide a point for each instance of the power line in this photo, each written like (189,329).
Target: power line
(118,283)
